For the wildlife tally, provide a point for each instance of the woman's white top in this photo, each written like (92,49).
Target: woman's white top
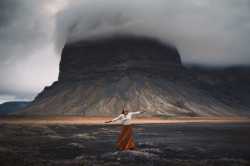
(127,120)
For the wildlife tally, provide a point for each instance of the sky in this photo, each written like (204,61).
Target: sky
(34,32)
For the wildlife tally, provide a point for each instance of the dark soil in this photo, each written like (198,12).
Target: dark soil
(156,144)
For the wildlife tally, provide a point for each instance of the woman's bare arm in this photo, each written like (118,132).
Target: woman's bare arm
(114,119)
(143,111)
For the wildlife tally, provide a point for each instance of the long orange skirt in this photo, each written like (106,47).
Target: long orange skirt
(125,141)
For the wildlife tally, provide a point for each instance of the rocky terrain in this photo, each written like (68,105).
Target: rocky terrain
(176,144)
(100,77)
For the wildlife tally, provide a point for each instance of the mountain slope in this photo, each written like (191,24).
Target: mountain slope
(9,107)
(99,78)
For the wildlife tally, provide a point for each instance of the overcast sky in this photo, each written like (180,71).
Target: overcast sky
(33,33)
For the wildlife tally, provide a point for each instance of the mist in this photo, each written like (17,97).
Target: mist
(213,33)
(33,34)
(28,60)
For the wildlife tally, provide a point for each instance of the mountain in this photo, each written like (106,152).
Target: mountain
(100,77)
(9,107)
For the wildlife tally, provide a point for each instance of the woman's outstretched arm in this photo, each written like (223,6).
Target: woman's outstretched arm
(138,112)
(114,119)
(143,111)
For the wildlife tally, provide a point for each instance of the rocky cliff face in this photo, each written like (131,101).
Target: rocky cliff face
(99,78)
(116,57)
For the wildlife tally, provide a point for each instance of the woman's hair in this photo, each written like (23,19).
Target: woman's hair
(123,111)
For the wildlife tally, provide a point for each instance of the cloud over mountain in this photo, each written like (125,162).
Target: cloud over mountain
(213,33)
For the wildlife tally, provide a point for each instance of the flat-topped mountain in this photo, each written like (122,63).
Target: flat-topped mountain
(112,57)
(100,77)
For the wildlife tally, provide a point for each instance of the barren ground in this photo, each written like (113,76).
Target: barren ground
(73,141)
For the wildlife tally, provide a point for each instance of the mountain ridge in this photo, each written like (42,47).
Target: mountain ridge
(99,78)
(11,106)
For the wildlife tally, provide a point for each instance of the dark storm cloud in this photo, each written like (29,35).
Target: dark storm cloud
(27,60)
(5,8)
(22,28)
(215,33)
(211,32)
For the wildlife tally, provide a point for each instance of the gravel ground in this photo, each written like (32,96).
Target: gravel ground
(156,144)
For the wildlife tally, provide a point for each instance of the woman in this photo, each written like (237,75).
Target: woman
(125,141)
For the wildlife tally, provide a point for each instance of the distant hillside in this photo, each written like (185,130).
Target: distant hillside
(9,107)
(100,77)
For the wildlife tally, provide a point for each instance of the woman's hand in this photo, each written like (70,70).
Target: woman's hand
(143,111)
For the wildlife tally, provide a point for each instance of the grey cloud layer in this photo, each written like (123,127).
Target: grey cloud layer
(27,62)
(205,32)
(212,32)
(24,28)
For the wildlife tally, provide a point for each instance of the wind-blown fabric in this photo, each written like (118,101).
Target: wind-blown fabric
(125,141)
